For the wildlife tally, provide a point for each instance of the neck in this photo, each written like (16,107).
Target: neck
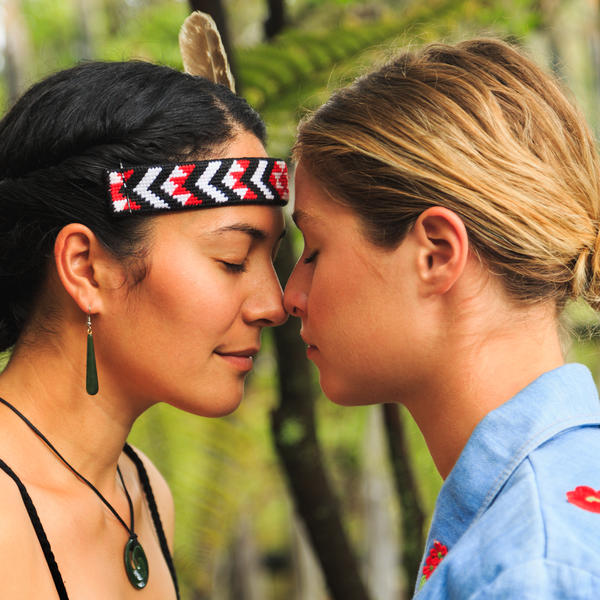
(46,383)
(484,371)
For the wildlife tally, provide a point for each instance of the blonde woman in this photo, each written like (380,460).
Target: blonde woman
(449,204)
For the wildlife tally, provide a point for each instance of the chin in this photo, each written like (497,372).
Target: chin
(222,412)
(340,392)
(212,412)
(212,405)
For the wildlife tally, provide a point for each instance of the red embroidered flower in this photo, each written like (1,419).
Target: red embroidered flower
(436,554)
(585,497)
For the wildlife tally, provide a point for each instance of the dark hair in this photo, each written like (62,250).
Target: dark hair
(61,135)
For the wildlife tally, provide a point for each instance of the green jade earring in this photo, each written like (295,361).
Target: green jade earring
(91,374)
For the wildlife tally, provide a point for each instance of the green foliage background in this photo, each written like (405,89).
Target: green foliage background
(221,470)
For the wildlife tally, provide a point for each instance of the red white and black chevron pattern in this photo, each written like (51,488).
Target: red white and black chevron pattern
(201,184)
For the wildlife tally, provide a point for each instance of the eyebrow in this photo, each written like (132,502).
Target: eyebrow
(300,215)
(253,232)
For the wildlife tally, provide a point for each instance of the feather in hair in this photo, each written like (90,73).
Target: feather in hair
(202,50)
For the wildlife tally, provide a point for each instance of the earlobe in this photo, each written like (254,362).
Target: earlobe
(74,256)
(443,247)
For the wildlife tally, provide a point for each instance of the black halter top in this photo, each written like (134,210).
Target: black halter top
(45,544)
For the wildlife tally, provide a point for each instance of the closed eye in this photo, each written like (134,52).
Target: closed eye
(235,267)
(311,257)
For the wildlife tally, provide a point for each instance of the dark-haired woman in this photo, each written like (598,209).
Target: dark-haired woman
(449,204)
(139,216)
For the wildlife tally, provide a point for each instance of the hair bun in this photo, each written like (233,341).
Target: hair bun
(586,275)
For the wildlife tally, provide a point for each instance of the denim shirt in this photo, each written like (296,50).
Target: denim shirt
(503,513)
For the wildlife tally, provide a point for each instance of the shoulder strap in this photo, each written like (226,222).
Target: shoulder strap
(143,475)
(39,530)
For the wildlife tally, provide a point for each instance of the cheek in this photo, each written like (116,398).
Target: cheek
(325,301)
(334,317)
(191,299)
(357,334)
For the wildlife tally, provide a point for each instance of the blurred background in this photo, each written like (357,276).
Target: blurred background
(292,497)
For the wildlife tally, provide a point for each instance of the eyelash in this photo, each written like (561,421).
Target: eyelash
(311,258)
(235,267)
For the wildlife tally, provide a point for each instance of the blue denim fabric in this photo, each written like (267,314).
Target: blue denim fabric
(503,513)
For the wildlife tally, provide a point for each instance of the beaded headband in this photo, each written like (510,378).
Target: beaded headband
(200,184)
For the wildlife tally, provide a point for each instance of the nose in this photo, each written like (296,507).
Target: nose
(295,295)
(265,307)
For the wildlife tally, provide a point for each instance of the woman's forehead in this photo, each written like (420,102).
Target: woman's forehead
(259,222)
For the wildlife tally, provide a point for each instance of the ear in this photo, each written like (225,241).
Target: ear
(443,247)
(83,265)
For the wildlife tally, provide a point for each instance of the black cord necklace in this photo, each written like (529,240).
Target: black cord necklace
(136,563)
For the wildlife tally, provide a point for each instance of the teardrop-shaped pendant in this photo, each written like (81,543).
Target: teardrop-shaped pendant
(136,563)
(91,374)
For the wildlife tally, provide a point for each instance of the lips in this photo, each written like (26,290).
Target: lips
(250,352)
(311,349)
(306,340)
(240,359)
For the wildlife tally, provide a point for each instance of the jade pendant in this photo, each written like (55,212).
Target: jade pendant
(136,563)
(91,374)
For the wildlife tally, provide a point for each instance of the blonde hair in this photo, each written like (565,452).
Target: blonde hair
(481,130)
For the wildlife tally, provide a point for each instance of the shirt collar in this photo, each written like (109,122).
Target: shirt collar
(557,400)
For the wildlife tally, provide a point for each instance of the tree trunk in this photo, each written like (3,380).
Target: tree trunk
(293,426)
(411,513)
(216,10)
(276,20)
(18,52)
(548,11)
(382,542)
(308,578)
(87,17)
(245,575)
(594,37)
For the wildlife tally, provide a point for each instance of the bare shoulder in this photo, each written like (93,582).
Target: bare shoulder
(15,523)
(162,495)
(22,568)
